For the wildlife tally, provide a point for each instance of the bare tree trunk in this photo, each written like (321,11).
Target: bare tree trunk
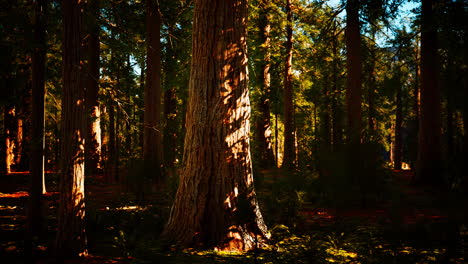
(9,126)
(152,146)
(263,123)
(37,187)
(111,164)
(170,130)
(289,131)
(397,152)
(71,236)
(428,170)
(216,204)
(93,140)
(354,69)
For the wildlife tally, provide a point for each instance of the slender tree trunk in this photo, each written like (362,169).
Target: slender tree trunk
(18,150)
(335,123)
(93,140)
(263,123)
(9,121)
(170,134)
(397,151)
(216,204)
(371,126)
(170,130)
(152,146)
(111,164)
(277,141)
(289,151)
(428,169)
(354,69)
(71,236)
(36,166)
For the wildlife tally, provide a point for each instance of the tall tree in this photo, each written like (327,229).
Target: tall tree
(216,204)
(354,71)
(36,166)
(152,150)
(93,140)
(289,131)
(263,122)
(71,236)
(9,121)
(428,167)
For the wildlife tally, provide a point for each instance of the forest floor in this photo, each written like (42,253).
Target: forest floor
(401,224)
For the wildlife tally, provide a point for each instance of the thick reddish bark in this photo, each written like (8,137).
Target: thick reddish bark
(71,237)
(152,148)
(216,204)
(428,167)
(354,69)
(289,130)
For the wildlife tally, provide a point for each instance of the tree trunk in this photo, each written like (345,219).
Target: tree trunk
(152,150)
(289,151)
(93,140)
(428,169)
(111,164)
(170,134)
(354,68)
(216,204)
(9,121)
(336,125)
(71,237)
(397,151)
(263,123)
(170,130)
(36,166)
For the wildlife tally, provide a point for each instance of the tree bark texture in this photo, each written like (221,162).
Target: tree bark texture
(93,140)
(263,123)
(152,148)
(428,167)
(354,70)
(37,187)
(289,130)
(71,236)
(216,205)
(9,126)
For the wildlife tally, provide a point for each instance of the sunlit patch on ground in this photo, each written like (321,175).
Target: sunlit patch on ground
(14,195)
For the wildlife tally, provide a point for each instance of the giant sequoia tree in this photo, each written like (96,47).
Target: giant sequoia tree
(428,168)
(71,236)
(216,204)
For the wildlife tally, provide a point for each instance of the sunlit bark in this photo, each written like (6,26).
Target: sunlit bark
(71,237)
(216,204)
(9,121)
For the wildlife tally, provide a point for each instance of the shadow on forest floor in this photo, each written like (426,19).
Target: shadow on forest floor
(407,224)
